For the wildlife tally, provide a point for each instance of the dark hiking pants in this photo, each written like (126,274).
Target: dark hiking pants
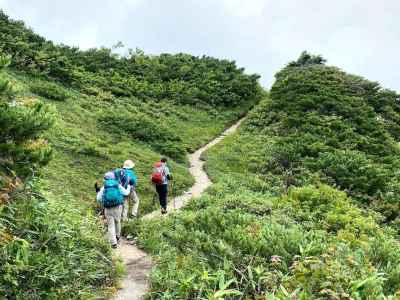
(162,191)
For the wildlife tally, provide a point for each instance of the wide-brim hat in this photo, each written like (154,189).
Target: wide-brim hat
(128,164)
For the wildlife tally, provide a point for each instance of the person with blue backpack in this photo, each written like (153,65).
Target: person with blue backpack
(127,177)
(111,196)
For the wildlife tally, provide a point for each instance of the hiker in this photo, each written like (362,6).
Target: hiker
(127,177)
(160,178)
(111,195)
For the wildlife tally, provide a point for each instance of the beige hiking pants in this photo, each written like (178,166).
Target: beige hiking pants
(133,200)
(113,216)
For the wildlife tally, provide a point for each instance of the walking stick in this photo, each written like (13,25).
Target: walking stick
(155,196)
(172,193)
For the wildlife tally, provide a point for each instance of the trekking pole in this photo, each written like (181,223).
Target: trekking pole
(155,196)
(172,193)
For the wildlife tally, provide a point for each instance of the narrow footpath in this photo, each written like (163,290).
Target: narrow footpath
(138,264)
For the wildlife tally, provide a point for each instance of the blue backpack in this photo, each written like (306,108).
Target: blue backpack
(112,195)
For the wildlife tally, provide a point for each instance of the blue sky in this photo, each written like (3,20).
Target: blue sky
(359,36)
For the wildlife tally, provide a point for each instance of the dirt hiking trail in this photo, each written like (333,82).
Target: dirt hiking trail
(138,264)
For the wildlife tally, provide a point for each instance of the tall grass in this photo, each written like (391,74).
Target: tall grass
(53,250)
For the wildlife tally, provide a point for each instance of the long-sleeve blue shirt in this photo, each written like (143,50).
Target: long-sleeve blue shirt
(129,178)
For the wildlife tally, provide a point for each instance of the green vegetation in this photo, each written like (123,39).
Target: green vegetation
(72,115)
(53,251)
(181,79)
(304,202)
(138,107)
(48,90)
(336,127)
(47,250)
(312,243)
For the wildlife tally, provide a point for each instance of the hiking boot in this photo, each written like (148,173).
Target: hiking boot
(163,211)
(114,246)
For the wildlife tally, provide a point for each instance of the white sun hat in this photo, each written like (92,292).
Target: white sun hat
(128,164)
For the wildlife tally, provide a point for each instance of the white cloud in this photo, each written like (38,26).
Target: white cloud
(87,38)
(129,3)
(245,8)
(360,36)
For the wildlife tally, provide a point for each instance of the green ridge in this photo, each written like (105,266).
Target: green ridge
(304,202)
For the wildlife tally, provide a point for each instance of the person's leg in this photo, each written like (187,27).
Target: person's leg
(166,194)
(111,225)
(159,192)
(103,211)
(135,206)
(117,218)
(163,197)
(125,208)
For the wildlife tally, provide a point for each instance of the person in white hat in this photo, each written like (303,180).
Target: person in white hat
(127,177)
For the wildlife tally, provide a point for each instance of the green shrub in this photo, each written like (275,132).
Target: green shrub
(327,208)
(153,131)
(352,171)
(22,148)
(91,149)
(49,90)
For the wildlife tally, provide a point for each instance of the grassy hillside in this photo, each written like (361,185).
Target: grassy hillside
(86,142)
(101,109)
(304,203)
(110,108)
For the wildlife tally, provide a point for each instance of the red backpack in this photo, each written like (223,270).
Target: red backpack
(157,177)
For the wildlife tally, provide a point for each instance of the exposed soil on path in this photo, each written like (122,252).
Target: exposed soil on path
(138,263)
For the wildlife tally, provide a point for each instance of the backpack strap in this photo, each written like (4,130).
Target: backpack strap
(123,177)
(119,174)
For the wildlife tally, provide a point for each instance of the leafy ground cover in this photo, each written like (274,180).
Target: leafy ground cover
(47,250)
(303,205)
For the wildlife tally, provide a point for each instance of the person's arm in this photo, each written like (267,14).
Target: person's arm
(167,173)
(96,187)
(133,180)
(125,191)
(99,196)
